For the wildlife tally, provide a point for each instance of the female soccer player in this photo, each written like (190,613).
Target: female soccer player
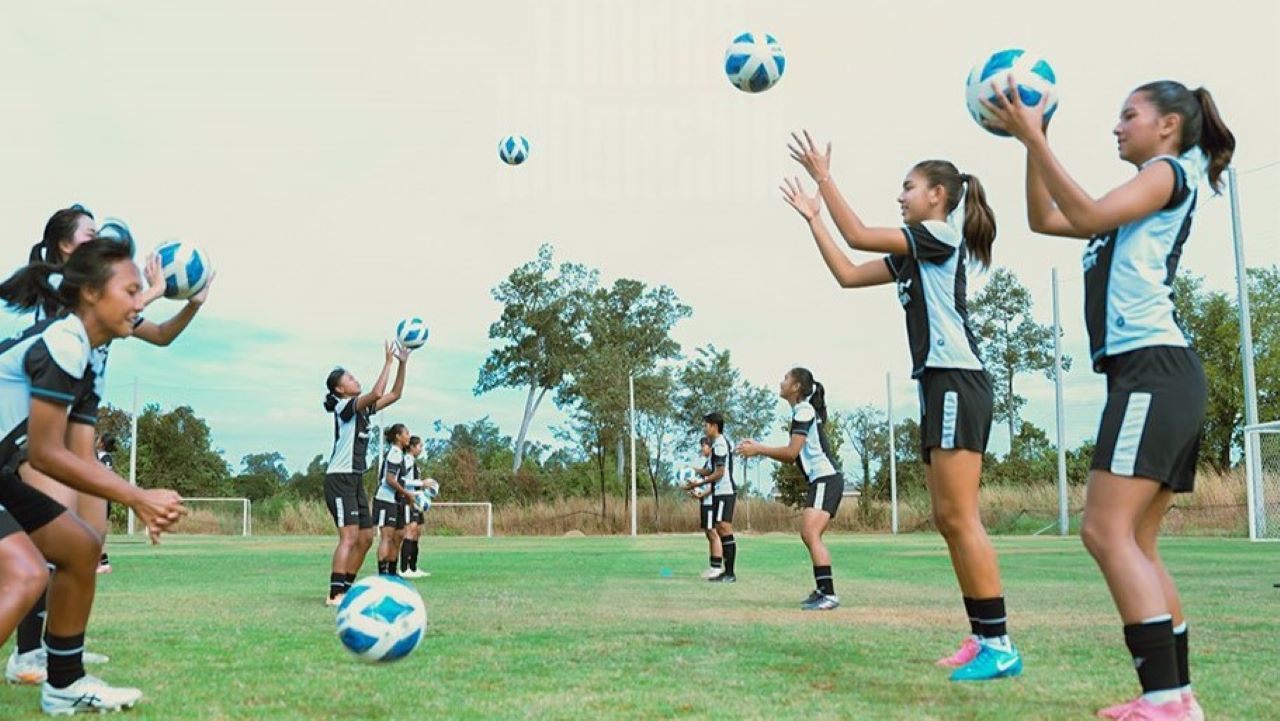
(1149,434)
(700,488)
(343,490)
(809,450)
(392,499)
(947,225)
(414,483)
(49,376)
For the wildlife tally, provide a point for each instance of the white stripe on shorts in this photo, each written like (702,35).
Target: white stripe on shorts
(338,511)
(820,493)
(382,517)
(950,408)
(719,511)
(1125,454)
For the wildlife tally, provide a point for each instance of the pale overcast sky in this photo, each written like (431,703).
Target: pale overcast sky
(339,163)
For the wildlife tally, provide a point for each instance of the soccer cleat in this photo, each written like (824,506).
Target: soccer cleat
(990,663)
(967,652)
(104,568)
(87,695)
(823,602)
(813,596)
(26,668)
(1194,712)
(1141,709)
(712,572)
(334,601)
(724,578)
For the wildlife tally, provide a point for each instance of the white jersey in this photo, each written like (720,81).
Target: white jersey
(706,500)
(350,437)
(392,464)
(722,455)
(1129,271)
(411,480)
(815,459)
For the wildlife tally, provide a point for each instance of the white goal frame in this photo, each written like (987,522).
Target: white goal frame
(246,504)
(488,507)
(1254,470)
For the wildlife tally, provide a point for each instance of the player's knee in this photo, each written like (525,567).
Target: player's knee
(1099,538)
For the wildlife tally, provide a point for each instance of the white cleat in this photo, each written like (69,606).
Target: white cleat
(87,695)
(712,572)
(27,668)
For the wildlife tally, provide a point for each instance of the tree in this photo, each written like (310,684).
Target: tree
(270,465)
(1011,341)
(1211,322)
(309,484)
(542,322)
(175,451)
(865,427)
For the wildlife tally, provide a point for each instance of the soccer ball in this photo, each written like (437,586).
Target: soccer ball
(513,149)
(1032,74)
(432,488)
(382,618)
(423,500)
(411,333)
(754,62)
(185,267)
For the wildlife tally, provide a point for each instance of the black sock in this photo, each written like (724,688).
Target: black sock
(717,562)
(991,617)
(1152,646)
(347,580)
(730,547)
(1184,663)
(66,659)
(413,560)
(31,627)
(104,560)
(405,551)
(973,616)
(826,582)
(337,584)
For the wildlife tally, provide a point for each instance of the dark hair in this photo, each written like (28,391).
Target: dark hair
(1201,124)
(392,431)
(60,226)
(108,442)
(414,440)
(705,441)
(715,418)
(812,391)
(331,382)
(90,266)
(979,227)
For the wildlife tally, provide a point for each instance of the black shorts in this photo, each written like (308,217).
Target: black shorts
(722,508)
(348,504)
(30,507)
(955,410)
(1152,422)
(825,494)
(707,515)
(413,514)
(8,526)
(389,513)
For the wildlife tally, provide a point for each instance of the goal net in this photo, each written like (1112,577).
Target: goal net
(212,516)
(1262,474)
(459,519)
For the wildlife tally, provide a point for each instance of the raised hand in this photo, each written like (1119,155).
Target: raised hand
(807,206)
(199,298)
(1010,114)
(805,153)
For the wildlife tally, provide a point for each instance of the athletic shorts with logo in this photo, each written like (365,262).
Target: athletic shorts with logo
(388,513)
(955,410)
(722,508)
(825,494)
(707,514)
(412,513)
(1151,424)
(347,501)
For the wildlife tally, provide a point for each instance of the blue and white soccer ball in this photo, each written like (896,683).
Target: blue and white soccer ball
(412,333)
(185,267)
(423,499)
(754,62)
(381,619)
(514,149)
(1031,73)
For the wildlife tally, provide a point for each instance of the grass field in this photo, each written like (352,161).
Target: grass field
(586,628)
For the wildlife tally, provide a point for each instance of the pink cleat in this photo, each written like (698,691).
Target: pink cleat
(1119,710)
(967,652)
(1194,712)
(1141,709)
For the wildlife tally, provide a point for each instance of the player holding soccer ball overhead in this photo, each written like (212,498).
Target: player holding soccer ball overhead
(946,226)
(810,451)
(344,492)
(1149,435)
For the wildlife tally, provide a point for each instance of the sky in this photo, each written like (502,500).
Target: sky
(339,164)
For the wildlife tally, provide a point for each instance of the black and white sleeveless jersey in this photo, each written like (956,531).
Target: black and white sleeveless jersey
(815,459)
(706,500)
(53,361)
(392,464)
(932,283)
(722,455)
(1129,271)
(350,437)
(411,479)
(105,459)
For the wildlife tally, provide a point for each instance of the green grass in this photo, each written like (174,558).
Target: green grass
(586,628)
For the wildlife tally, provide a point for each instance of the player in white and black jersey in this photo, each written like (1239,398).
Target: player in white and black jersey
(1149,435)
(415,484)
(724,490)
(66,230)
(344,493)
(947,225)
(49,388)
(702,487)
(392,500)
(809,450)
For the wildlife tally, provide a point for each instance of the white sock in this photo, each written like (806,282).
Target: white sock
(1159,698)
(999,643)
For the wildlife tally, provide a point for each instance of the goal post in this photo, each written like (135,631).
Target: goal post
(488,512)
(222,521)
(1262,480)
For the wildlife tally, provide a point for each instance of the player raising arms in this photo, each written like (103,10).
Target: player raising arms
(1149,435)
(946,225)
